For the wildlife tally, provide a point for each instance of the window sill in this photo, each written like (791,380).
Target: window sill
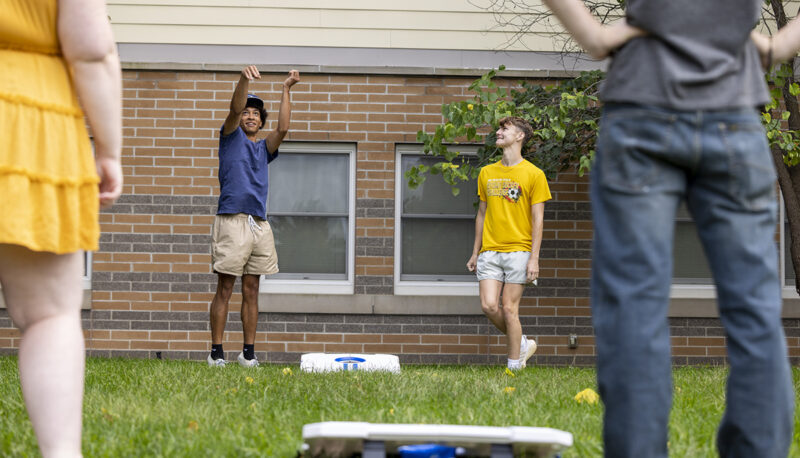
(693,292)
(369,304)
(435,288)
(306,287)
(700,301)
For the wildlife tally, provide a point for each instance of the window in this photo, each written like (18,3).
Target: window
(786,255)
(691,274)
(87,270)
(310,207)
(690,266)
(788,267)
(434,231)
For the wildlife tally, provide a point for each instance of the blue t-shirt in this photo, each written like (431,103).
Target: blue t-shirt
(243,178)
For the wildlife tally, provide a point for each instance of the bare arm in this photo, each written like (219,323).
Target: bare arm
(784,44)
(88,47)
(476,248)
(275,137)
(537,223)
(598,40)
(239,99)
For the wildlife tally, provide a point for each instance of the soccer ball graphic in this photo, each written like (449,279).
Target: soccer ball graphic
(513,194)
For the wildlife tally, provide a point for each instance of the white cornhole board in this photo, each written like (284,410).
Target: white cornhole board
(344,438)
(329,362)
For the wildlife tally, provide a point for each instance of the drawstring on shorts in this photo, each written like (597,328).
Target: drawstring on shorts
(253,226)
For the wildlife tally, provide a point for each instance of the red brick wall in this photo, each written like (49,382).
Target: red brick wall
(152,282)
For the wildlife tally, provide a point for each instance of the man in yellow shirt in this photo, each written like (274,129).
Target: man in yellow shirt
(508,235)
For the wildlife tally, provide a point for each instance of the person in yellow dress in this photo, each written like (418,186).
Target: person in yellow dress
(54,53)
(508,234)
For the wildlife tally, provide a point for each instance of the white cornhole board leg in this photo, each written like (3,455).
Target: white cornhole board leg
(344,438)
(330,362)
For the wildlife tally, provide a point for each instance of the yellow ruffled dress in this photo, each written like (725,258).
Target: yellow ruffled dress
(48,180)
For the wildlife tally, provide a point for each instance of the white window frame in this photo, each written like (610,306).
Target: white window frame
(684,291)
(87,272)
(788,291)
(692,290)
(421,288)
(317,286)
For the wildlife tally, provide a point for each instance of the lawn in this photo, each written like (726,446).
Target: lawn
(181,408)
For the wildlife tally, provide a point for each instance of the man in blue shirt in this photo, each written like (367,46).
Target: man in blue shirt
(242,244)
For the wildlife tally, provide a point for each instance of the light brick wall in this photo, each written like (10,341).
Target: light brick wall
(152,282)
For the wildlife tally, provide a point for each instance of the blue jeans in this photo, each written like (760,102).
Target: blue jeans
(647,160)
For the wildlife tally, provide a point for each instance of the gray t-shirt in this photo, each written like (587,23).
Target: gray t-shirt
(698,56)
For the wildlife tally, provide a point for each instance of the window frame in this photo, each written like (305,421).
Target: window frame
(788,290)
(680,290)
(422,287)
(321,285)
(87,271)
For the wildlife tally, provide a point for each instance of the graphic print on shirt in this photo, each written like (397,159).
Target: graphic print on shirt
(503,187)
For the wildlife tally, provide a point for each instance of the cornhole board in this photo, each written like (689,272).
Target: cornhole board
(375,440)
(329,362)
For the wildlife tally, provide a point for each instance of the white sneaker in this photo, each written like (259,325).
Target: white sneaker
(216,362)
(247,362)
(527,351)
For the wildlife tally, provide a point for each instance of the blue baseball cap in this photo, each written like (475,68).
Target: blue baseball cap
(254,101)
(257,103)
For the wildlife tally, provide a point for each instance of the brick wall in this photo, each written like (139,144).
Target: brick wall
(152,282)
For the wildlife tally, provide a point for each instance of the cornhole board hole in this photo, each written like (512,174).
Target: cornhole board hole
(329,362)
(376,440)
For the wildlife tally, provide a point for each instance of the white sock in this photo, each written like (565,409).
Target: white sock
(514,364)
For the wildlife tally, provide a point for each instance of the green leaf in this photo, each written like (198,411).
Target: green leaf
(563,117)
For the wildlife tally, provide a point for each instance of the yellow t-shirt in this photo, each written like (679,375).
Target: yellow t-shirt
(509,193)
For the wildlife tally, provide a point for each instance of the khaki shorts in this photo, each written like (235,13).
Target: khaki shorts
(243,245)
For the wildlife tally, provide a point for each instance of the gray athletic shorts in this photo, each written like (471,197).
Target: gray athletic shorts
(504,267)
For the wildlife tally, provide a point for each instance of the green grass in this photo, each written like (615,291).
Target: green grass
(180,408)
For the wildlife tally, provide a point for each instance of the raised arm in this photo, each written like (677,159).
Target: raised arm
(596,39)
(275,137)
(88,47)
(476,247)
(239,99)
(781,47)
